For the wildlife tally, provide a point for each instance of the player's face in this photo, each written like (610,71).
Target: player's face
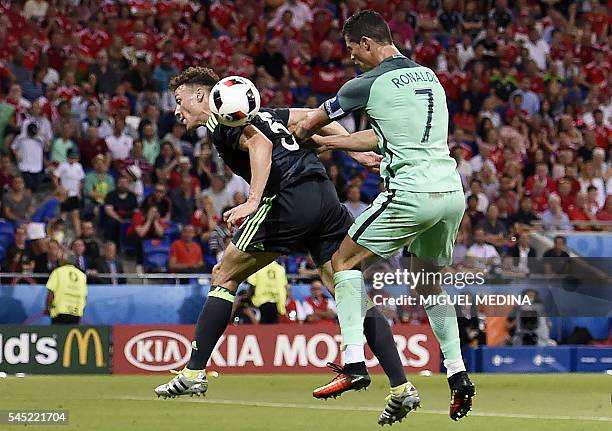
(360,53)
(192,108)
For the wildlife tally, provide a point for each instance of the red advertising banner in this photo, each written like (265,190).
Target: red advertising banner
(141,349)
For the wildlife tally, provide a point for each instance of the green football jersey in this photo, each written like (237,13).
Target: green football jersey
(406,105)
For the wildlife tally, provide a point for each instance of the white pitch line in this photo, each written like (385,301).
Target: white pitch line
(370,409)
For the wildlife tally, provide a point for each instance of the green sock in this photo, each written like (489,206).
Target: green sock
(443,321)
(351,303)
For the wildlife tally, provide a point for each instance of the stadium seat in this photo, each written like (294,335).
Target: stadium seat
(155,254)
(172,232)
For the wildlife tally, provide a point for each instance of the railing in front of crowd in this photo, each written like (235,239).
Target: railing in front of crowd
(205,278)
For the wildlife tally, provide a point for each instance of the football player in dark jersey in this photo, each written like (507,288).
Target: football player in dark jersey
(292,206)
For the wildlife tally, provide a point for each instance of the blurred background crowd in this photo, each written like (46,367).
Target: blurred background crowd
(92,159)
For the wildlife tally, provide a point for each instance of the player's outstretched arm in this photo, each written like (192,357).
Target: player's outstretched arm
(310,123)
(260,155)
(297,115)
(364,140)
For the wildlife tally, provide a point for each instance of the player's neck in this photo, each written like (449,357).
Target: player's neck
(385,51)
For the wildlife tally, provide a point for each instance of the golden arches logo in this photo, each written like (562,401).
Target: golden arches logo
(82,340)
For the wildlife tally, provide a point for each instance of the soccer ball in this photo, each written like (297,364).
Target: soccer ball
(234,100)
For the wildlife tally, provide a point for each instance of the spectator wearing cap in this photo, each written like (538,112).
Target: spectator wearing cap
(137,159)
(70,176)
(218,194)
(17,202)
(28,151)
(98,183)
(185,254)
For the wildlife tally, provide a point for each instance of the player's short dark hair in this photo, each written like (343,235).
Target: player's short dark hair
(367,23)
(195,76)
(562,238)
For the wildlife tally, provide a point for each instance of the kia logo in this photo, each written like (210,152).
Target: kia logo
(157,350)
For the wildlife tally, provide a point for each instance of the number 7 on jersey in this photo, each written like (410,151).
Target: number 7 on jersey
(430,106)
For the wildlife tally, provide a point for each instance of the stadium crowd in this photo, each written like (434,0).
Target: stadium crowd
(91,151)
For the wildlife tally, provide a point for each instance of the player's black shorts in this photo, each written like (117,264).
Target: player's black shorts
(306,216)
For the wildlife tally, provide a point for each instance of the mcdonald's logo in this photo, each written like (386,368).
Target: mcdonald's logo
(82,340)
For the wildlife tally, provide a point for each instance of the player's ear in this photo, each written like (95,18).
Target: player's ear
(365,43)
(200,93)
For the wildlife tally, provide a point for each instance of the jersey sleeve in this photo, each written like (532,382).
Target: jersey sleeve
(352,96)
(282,114)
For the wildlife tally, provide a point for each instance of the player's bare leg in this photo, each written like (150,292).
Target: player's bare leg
(234,268)
(443,320)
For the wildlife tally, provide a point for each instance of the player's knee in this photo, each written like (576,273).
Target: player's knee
(341,263)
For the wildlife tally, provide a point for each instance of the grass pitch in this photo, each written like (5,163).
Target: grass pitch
(553,402)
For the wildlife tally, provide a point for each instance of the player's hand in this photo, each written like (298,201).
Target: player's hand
(236,215)
(369,159)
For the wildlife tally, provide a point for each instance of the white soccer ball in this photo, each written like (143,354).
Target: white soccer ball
(234,100)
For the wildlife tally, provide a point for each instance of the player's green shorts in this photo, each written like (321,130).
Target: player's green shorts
(425,222)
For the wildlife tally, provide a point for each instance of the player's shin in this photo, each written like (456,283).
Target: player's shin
(443,321)
(212,322)
(351,302)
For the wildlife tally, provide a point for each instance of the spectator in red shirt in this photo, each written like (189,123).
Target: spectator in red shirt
(541,177)
(326,73)
(147,225)
(186,255)
(317,307)
(564,190)
(427,52)
(578,212)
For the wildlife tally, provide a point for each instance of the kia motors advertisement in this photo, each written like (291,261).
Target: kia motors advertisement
(139,349)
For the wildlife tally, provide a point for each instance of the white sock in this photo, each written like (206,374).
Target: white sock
(354,353)
(453,367)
